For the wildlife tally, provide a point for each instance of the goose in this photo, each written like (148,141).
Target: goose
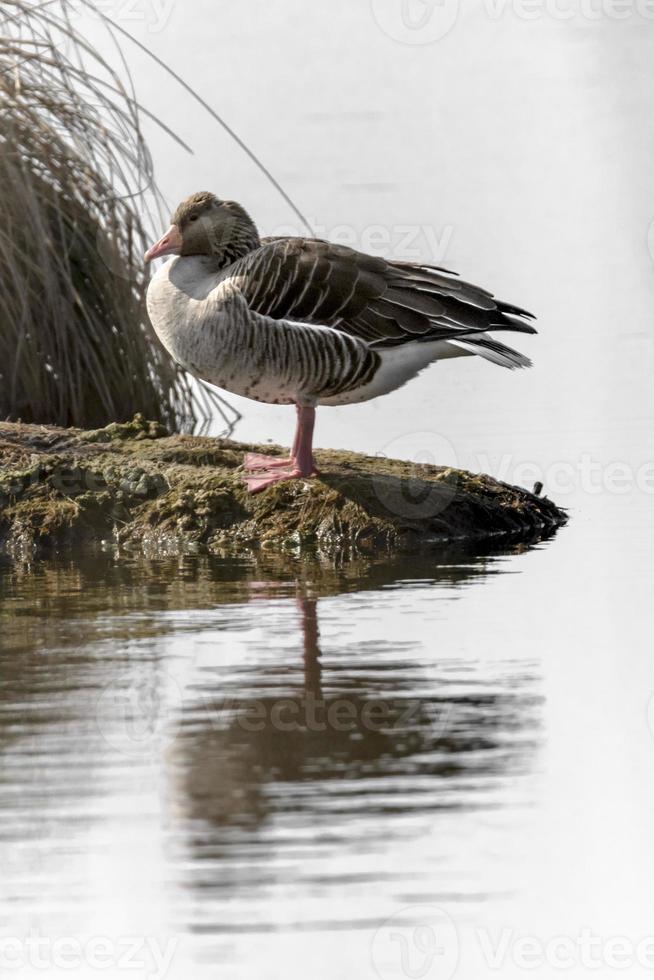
(306,322)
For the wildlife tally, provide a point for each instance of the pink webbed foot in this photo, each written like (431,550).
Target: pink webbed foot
(263,471)
(259,461)
(256,482)
(269,471)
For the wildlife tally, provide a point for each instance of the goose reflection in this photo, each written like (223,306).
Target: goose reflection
(352,738)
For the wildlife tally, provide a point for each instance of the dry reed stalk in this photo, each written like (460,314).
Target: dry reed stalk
(76,177)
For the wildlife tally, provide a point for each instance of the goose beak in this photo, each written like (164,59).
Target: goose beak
(170,244)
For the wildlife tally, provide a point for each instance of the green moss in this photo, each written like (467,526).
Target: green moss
(140,487)
(138,428)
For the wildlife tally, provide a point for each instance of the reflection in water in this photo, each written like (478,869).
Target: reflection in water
(373,744)
(220,747)
(231,745)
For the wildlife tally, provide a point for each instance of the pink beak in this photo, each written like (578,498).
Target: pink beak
(170,244)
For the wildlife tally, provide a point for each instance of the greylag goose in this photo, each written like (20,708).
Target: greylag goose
(304,322)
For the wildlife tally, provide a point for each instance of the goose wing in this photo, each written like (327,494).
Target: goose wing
(380,302)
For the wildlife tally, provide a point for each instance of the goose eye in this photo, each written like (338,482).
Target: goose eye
(194,217)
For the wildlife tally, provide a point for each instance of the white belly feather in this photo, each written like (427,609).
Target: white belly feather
(199,319)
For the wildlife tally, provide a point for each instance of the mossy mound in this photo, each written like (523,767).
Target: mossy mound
(136,486)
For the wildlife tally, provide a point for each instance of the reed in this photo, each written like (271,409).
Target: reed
(76,179)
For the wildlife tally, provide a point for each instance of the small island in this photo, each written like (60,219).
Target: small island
(135,486)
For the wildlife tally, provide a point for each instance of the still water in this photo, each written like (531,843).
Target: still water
(380,768)
(226,754)
(283,767)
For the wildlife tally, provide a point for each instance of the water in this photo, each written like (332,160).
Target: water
(249,763)
(231,753)
(382,769)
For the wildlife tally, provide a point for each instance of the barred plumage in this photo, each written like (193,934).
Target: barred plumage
(307,322)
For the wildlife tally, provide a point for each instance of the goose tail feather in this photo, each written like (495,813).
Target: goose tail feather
(494,351)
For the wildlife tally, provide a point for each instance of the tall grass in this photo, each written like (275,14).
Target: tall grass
(76,347)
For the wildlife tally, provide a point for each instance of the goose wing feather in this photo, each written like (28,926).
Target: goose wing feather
(381,302)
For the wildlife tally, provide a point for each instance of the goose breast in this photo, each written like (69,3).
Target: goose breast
(206,324)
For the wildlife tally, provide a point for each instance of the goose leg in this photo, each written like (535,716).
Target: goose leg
(302,451)
(262,471)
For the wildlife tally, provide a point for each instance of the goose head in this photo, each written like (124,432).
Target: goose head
(204,225)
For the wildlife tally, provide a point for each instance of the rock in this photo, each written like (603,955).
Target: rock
(143,489)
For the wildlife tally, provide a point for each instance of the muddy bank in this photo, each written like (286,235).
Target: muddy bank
(137,487)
